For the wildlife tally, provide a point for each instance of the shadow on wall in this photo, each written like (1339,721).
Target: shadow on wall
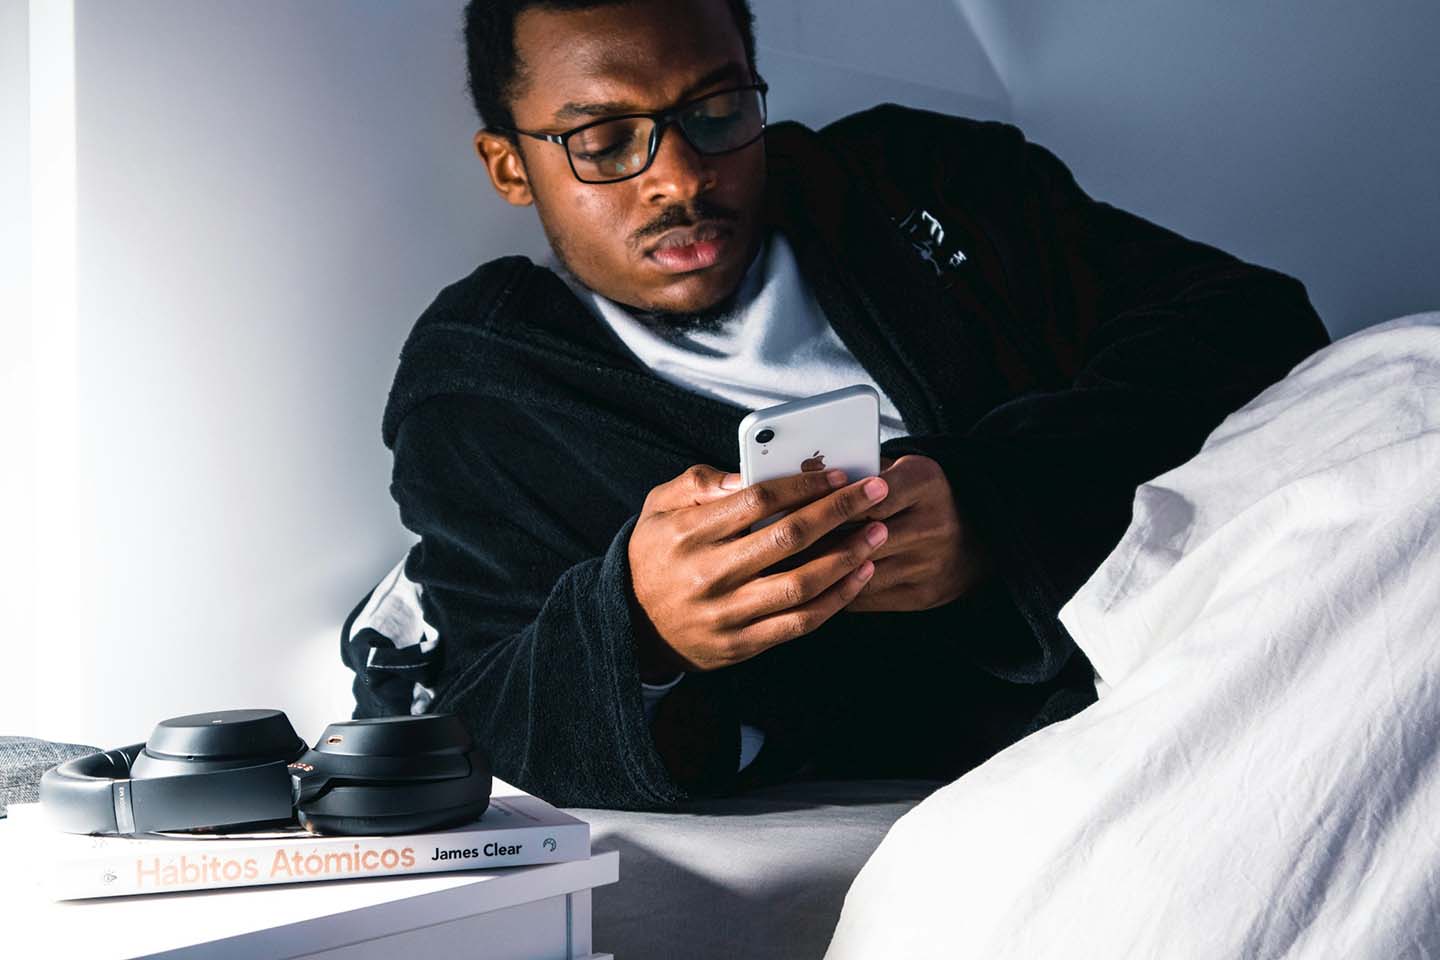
(1301,135)
(823,63)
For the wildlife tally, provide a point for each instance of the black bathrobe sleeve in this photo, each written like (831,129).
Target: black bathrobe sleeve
(536,634)
(1179,335)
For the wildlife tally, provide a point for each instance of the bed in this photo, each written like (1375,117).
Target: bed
(1261,774)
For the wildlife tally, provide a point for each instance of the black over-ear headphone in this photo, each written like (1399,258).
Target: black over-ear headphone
(237,768)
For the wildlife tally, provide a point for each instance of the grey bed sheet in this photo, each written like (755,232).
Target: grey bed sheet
(756,876)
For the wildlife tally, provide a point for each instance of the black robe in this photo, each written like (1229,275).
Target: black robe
(1050,351)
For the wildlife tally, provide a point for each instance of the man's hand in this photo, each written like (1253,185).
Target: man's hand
(699,573)
(931,556)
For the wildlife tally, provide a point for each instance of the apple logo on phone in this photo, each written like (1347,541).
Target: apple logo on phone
(817,462)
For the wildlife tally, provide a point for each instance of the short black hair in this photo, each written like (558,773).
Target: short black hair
(490,49)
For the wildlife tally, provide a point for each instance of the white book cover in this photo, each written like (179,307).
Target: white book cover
(516,830)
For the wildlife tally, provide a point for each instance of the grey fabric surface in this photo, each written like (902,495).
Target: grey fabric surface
(23,760)
(762,875)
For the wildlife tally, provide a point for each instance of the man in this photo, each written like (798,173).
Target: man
(586,593)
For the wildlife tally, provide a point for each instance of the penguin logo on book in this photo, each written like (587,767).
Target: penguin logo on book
(549,844)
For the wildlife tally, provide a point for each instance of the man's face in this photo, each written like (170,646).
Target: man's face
(640,56)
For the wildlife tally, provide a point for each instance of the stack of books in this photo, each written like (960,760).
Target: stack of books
(516,830)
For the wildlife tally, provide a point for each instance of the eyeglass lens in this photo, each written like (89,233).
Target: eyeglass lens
(620,148)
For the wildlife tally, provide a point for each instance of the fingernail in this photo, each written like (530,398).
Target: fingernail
(865,571)
(836,477)
(876,534)
(731,481)
(875,488)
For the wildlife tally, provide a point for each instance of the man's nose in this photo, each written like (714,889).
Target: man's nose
(678,172)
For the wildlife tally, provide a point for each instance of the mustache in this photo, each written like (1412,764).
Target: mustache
(678,216)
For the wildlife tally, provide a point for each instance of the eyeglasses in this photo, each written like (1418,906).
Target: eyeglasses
(618,148)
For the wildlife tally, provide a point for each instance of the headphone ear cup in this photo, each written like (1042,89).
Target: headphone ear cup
(391,775)
(221,769)
(388,825)
(351,807)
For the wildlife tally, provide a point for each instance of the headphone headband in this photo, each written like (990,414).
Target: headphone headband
(91,794)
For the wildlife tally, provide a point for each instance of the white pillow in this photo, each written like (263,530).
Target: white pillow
(1331,449)
(1262,777)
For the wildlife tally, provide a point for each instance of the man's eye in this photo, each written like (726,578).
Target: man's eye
(603,154)
(725,102)
(709,119)
(598,143)
(716,114)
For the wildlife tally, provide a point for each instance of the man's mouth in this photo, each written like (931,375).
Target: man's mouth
(690,248)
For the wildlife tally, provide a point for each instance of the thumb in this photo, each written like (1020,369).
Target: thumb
(698,485)
(711,483)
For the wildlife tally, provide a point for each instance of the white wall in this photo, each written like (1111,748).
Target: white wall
(1300,134)
(16,480)
(268,194)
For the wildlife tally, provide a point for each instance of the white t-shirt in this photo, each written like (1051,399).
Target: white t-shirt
(775,345)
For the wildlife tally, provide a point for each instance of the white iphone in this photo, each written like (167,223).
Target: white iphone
(840,428)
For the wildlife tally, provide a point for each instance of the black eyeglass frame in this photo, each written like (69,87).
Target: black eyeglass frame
(661,119)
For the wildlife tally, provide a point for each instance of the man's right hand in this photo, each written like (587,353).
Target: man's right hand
(697,568)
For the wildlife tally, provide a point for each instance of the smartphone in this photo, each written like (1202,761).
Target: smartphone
(840,428)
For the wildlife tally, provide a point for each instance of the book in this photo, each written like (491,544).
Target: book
(516,830)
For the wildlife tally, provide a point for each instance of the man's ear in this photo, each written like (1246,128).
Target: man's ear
(502,160)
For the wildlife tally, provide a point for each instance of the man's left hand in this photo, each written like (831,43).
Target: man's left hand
(931,555)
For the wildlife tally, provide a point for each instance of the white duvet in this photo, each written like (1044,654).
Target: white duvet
(1261,776)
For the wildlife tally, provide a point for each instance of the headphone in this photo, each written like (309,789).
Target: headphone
(235,768)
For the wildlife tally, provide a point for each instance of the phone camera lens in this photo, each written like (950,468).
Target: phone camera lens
(765,436)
